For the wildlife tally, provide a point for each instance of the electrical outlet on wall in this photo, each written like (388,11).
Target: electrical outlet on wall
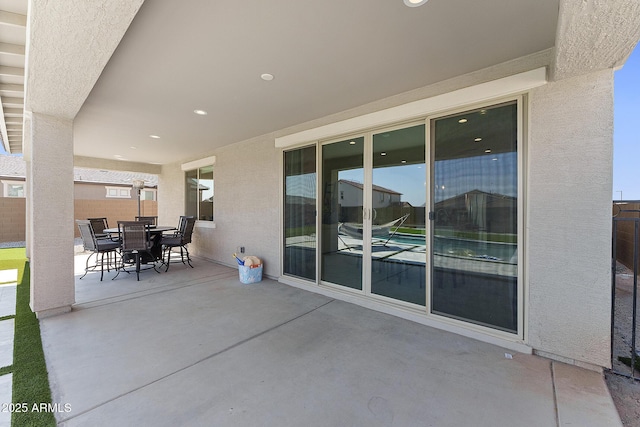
(240,249)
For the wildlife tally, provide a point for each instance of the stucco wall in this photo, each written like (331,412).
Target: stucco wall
(170,194)
(246,203)
(569,217)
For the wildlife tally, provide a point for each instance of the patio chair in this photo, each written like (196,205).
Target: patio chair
(135,247)
(179,239)
(152,220)
(99,225)
(99,247)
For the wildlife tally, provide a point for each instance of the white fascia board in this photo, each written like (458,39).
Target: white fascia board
(207,161)
(518,83)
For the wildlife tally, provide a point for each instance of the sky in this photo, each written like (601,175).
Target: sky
(626,133)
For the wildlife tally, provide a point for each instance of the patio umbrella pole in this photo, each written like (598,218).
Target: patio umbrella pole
(138,184)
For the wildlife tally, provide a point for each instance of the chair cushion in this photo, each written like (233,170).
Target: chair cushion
(107,245)
(172,241)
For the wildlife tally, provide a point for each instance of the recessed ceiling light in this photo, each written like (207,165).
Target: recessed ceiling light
(154,136)
(462,121)
(487,150)
(383,154)
(478,139)
(404,161)
(266,77)
(352,143)
(483,112)
(200,112)
(414,3)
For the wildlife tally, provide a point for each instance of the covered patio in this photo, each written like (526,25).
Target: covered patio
(232,105)
(197,347)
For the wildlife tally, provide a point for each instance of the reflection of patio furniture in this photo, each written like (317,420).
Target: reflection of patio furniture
(180,239)
(136,245)
(99,247)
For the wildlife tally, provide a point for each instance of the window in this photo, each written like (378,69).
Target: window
(118,192)
(199,193)
(147,194)
(13,188)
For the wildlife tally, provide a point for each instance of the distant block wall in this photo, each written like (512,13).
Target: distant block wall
(625,233)
(12,214)
(12,219)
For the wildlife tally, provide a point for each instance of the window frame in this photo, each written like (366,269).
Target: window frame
(7,183)
(119,190)
(190,167)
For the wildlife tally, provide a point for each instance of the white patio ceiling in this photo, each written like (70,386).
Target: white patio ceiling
(325,56)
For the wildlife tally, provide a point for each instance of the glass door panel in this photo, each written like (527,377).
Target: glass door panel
(300,213)
(475,227)
(398,200)
(342,202)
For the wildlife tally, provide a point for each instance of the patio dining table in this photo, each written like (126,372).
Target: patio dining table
(155,232)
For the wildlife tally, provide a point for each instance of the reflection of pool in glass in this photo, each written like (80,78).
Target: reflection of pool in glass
(452,246)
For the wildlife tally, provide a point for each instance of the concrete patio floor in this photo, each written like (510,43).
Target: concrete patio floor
(195,347)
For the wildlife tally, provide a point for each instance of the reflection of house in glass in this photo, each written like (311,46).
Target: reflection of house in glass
(387,204)
(478,211)
(351,195)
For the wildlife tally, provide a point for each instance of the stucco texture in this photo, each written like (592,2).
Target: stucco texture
(246,203)
(51,205)
(569,218)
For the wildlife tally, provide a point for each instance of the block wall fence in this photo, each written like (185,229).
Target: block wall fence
(13,224)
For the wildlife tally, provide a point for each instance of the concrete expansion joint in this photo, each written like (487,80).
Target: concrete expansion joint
(555,393)
(145,292)
(211,356)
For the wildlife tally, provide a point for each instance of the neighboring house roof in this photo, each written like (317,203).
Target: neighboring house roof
(374,187)
(15,167)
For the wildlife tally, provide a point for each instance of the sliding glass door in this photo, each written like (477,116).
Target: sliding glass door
(398,200)
(342,212)
(475,211)
(424,215)
(373,214)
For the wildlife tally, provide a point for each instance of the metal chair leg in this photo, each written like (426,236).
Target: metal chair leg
(188,256)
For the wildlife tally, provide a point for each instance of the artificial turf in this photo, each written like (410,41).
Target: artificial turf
(30,380)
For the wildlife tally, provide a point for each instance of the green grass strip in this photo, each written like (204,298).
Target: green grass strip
(30,379)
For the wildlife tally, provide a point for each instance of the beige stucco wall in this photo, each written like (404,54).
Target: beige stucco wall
(50,205)
(568,158)
(246,203)
(170,194)
(569,217)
